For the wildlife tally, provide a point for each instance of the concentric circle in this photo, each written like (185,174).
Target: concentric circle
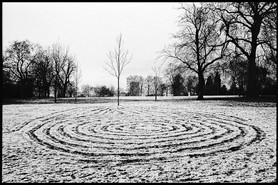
(102,133)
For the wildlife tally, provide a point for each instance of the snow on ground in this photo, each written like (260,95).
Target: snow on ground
(166,141)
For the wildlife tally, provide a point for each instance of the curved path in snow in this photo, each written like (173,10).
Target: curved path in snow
(140,135)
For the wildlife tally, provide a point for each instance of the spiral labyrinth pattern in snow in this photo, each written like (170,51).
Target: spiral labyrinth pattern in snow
(140,134)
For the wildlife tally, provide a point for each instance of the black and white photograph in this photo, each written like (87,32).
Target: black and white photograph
(139,92)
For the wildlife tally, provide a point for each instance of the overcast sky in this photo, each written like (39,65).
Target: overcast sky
(90,30)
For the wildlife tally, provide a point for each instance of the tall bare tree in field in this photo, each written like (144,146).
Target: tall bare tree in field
(156,71)
(68,68)
(117,60)
(43,71)
(199,43)
(56,54)
(64,68)
(77,79)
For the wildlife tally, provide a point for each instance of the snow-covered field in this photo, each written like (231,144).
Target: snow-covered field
(142,141)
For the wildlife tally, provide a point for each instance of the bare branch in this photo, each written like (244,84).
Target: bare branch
(118,59)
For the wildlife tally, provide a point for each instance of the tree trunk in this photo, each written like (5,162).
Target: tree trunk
(75,98)
(155,94)
(65,86)
(55,91)
(65,91)
(200,73)
(201,87)
(22,93)
(251,72)
(48,92)
(44,93)
(118,91)
(251,79)
(155,91)
(252,90)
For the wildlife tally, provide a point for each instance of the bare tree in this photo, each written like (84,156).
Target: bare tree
(56,54)
(147,82)
(19,61)
(250,26)
(77,79)
(156,71)
(68,68)
(63,68)
(118,59)
(43,71)
(199,45)
(87,90)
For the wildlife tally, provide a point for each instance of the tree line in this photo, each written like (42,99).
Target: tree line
(30,70)
(179,84)
(98,91)
(227,35)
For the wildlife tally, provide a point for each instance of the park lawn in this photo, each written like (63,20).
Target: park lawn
(56,142)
